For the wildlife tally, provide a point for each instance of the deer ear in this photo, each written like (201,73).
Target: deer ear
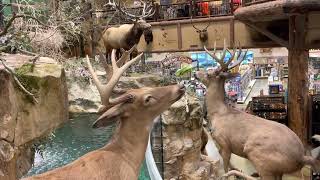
(202,76)
(109,117)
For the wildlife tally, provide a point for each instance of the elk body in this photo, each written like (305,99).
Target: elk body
(126,35)
(134,111)
(272,147)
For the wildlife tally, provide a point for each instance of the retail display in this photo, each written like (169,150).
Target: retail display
(270,107)
(314,75)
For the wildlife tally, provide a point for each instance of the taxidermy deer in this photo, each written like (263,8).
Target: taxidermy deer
(126,35)
(272,147)
(203,33)
(134,111)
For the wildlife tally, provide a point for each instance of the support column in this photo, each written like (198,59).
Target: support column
(298,77)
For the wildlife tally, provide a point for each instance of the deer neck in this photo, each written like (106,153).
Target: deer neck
(134,35)
(216,98)
(132,139)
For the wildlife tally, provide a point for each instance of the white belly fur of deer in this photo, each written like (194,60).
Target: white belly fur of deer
(134,111)
(272,147)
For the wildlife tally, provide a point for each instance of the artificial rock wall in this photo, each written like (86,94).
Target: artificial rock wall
(182,130)
(21,119)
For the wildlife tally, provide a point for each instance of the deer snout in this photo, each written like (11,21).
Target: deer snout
(179,91)
(182,88)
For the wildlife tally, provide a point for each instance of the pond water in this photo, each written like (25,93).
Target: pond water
(74,139)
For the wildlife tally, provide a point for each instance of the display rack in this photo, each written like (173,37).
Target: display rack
(285,71)
(270,107)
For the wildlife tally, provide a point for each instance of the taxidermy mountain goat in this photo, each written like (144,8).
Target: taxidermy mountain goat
(127,35)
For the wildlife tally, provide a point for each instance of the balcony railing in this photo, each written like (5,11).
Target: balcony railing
(253,2)
(179,11)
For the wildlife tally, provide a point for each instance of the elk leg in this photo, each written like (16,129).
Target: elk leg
(279,177)
(108,56)
(226,155)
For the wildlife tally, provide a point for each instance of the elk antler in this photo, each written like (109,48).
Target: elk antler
(227,66)
(147,11)
(105,90)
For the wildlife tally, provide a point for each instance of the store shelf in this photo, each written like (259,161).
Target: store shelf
(270,107)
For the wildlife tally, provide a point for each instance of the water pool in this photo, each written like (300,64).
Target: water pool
(74,139)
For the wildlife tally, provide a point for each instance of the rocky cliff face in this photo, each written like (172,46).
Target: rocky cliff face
(83,94)
(182,130)
(21,119)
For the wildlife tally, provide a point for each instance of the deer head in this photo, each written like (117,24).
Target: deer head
(139,20)
(220,74)
(203,33)
(142,104)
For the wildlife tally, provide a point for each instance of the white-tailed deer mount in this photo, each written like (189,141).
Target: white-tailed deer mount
(272,147)
(134,112)
(203,33)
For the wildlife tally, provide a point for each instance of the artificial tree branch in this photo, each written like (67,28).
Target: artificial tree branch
(17,81)
(15,16)
(27,52)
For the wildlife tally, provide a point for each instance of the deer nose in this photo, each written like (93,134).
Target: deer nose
(181,87)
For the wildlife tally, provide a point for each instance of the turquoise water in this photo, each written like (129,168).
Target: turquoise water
(74,139)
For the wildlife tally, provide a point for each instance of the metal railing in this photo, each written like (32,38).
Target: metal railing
(177,11)
(253,2)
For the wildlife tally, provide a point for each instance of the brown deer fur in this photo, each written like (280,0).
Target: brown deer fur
(121,159)
(135,111)
(272,147)
(124,36)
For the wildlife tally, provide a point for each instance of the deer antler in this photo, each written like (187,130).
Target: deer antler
(204,29)
(147,11)
(107,67)
(105,90)
(227,66)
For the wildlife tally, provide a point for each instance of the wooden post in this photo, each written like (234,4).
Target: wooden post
(298,77)
(179,34)
(231,32)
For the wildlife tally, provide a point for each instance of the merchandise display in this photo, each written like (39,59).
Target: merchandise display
(270,107)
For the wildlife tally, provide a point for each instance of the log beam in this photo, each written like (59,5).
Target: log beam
(298,77)
(267,33)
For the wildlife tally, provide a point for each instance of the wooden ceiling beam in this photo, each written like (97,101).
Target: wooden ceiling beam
(267,33)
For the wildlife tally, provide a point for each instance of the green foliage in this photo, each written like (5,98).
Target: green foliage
(31,83)
(184,70)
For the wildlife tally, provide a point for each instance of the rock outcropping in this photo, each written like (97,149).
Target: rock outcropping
(21,119)
(182,130)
